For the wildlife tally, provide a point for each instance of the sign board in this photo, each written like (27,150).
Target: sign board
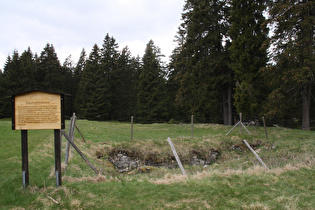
(37,110)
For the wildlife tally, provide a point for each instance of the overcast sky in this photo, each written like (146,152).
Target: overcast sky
(71,25)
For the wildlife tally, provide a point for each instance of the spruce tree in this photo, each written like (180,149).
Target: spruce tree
(78,70)
(77,74)
(69,86)
(136,69)
(176,68)
(50,75)
(18,76)
(5,105)
(12,73)
(248,53)
(90,88)
(199,62)
(123,86)
(151,102)
(4,99)
(109,59)
(292,75)
(28,69)
(19,72)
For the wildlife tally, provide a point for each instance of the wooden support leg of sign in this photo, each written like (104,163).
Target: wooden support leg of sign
(25,174)
(58,157)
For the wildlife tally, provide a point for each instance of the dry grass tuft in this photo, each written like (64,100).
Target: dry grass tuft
(288,202)
(255,206)
(236,138)
(91,195)
(229,172)
(45,201)
(170,179)
(290,167)
(66,190)
(18,208)
(206,204)
(75,203)
(256,170)
(52,172)
(94,179)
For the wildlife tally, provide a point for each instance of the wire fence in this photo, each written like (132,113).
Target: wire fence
(246,119)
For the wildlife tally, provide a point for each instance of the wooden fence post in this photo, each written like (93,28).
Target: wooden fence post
(263,118)
(71,132)
(80,132)
(176,156)
(253,151)
(131,128)
(192,125)
(241,122)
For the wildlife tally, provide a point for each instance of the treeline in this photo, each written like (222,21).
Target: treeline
(225,62)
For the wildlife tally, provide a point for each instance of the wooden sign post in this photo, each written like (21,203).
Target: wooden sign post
(38,109)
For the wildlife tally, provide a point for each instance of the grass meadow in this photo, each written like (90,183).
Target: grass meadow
(235,181)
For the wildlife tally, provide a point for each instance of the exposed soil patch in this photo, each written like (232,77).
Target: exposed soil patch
(202,157)
(242,147)
(126,160)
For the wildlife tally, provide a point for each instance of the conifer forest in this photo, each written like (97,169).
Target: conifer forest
(254,57)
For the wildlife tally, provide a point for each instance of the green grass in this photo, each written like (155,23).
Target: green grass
(235,181)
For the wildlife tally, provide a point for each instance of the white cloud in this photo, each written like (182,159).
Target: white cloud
(71,25)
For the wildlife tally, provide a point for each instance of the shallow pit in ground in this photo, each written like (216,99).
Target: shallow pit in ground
(126,160)
(146,157)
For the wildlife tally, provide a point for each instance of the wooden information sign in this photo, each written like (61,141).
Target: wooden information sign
(35,110)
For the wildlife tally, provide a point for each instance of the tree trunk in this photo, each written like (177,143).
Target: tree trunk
(227,107)
(230,105)
(306,103)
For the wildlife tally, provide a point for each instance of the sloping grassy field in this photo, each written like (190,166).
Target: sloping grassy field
(235,181)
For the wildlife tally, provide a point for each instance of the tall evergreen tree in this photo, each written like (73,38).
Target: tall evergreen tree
(248,53)
(69,86)
(18,76)
(109,59)
(19,72)
(176,68)
(13,75)
(151,104)
(28,69)
(123,86)
(90,89)
(5,101)
(199,61)
(136,69)
(4,104)
(77,74)
(49,74)
(227,85)
(292,76)
(78,70)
